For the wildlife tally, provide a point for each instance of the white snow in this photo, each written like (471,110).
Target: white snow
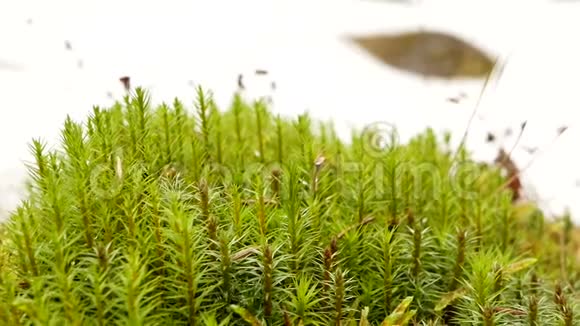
(166,46)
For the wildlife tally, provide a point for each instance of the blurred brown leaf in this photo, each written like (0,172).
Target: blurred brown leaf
(431,54)
(126,81)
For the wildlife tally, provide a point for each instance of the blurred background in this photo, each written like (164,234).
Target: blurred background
(354,62)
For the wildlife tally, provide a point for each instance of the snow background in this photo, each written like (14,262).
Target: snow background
(166,46)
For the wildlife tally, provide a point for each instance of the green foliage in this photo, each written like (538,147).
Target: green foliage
(161,216)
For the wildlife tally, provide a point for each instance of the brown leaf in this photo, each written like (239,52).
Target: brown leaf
(126,80)
(240,82)
(244,253)
(430,54)
(448,298)
(514,183)
(490,137)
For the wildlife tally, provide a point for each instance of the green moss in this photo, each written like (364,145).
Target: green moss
(161,216)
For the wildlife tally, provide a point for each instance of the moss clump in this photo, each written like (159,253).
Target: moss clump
(160,216)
